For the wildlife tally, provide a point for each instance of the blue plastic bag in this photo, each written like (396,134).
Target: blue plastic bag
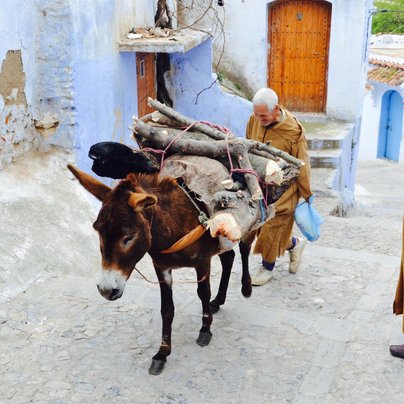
(308,220)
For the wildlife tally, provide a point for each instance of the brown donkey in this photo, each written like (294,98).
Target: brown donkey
(146,214)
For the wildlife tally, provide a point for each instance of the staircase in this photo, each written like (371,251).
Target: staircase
(330,143)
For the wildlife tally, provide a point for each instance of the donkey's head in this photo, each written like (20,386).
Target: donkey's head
(124,228)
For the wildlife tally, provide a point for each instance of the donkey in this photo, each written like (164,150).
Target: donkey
(147,214)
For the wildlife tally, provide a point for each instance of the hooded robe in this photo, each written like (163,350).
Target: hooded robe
(398,301)
(275,236)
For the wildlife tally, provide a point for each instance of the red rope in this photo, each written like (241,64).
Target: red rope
(243,171)
(163,152)
(228,133)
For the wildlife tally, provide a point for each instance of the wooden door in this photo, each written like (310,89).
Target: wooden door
(146,81)
(298,35)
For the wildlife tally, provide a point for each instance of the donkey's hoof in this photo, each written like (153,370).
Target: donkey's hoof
(156,367)
(204,338)
(246,290)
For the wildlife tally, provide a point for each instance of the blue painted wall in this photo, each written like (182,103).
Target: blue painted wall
(74,73)
(190,74)
(104,81)
(77,78)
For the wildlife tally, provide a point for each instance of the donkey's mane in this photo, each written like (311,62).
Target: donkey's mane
(150,183)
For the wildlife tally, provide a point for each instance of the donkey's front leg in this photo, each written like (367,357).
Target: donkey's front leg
(167,315)
(226,259)
(246,288)
(245,248)
(203,273)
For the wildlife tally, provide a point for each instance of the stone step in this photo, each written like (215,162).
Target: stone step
(310,116)
(325,143)
(328,134)
(324,181)
(325,158)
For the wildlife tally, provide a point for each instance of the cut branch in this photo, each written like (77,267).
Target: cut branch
(169,112)
(219,135)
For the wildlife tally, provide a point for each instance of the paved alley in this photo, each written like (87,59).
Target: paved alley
(320,336)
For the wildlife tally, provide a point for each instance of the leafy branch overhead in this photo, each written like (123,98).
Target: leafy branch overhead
(389,17)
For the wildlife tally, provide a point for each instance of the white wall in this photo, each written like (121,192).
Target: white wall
(245,56)
(347,62)
(369,134)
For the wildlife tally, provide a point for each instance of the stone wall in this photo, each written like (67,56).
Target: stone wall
(17,68)
(17,132)
(63,81)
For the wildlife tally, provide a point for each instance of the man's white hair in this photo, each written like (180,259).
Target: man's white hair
(266,96)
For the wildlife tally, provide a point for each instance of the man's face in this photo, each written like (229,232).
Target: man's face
(265,117)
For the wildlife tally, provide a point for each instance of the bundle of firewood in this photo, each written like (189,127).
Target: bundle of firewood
(261,165)
(247,176)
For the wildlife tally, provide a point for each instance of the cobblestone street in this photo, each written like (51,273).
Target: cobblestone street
(320,336)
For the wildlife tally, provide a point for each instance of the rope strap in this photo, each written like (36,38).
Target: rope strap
(194,235)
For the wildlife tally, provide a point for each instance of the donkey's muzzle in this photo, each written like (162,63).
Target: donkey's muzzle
(111,284)
(110,294)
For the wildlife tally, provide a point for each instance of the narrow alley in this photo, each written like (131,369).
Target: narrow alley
(320,336)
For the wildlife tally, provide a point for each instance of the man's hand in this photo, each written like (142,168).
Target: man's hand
(310,199)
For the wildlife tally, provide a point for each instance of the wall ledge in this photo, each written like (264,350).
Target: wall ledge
(180,42)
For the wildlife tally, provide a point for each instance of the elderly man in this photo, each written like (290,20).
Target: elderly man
(272,122)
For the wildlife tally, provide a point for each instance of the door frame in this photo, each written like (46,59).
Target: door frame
(145,70)
(388,106)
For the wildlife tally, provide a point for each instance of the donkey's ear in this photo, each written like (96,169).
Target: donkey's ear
(95,187)
(138,201)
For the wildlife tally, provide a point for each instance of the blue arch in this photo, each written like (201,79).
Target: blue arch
(391,126)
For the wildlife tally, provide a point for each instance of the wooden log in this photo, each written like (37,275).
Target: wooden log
(169,112)
(159,138)
(219,135)
(267,171)
(157,118)
(237,149)
(240,151)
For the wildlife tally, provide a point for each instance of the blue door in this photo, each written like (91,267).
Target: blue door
(391,126)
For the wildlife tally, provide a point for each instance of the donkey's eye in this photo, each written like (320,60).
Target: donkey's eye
(127,239)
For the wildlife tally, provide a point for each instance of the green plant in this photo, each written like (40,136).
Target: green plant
(220,76)
(389,17)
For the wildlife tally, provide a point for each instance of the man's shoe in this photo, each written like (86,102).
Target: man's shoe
(261,277)
(397,350)
(296,255)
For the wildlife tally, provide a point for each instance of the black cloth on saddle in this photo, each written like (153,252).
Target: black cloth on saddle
(115,160)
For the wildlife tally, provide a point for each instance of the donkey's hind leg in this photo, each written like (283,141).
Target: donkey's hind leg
(203,273)
(226,259)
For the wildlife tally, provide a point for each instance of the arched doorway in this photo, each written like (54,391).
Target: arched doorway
(298,36)
(391,126)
